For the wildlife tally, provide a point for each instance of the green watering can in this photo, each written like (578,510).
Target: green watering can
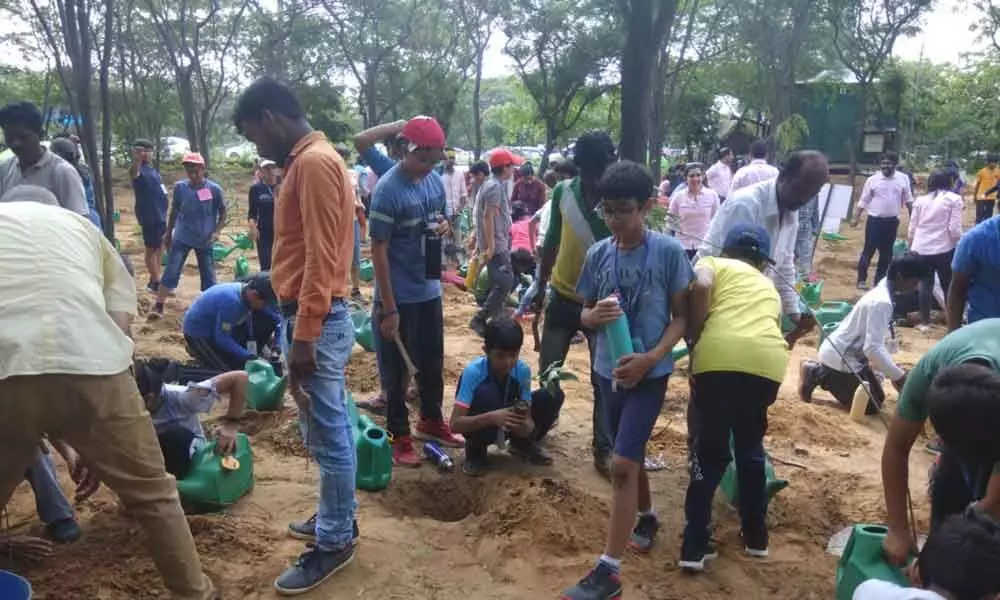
(116,216)
(374,451)
(367,270)
(863,560)
(812,293)
(363,333)
(463,270)
(833,236)
(730,484)
(267,390)
(679,351)
(242,268)
(208,486)
(165,256)
(241,241)
(832,312)
(828,329)
(899,248)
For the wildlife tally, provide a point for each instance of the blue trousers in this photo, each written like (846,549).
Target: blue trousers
(326,428)
(50,501)
(175,264)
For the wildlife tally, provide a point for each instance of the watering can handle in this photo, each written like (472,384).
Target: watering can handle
(406,357)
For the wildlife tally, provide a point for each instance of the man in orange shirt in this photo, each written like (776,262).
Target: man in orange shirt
(313,242)
(985,193)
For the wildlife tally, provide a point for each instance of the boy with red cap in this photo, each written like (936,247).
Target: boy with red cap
(492,218)
(197,215)
(408,208)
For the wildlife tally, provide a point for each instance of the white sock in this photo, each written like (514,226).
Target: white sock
(614,563)
(649,513)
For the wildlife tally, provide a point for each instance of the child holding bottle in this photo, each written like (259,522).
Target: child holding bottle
(643,275)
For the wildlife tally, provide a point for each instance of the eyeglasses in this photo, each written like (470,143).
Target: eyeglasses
(617,211)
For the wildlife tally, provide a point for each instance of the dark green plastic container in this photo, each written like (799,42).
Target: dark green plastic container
(267,389)
(374,451)
(208,487)
(863,560)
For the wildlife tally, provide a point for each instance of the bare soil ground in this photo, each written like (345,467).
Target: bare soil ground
(521,532)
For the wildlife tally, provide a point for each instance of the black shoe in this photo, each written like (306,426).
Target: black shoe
(602,462)
(306,530)
(476,466)
(755,545)
(644,533)
(694,558)
(808,380)
(64,531)
(600,584)
(533,453)
(313,567)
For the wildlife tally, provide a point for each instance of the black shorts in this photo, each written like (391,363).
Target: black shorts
(175,443)
(152,234)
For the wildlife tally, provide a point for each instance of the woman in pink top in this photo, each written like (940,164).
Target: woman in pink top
(520,229)
(935,227)
(694,206)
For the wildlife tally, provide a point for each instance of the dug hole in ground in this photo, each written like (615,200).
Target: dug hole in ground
(518,533)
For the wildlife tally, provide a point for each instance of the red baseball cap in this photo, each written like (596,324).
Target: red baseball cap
(193,158)
(502,157)
(423,132)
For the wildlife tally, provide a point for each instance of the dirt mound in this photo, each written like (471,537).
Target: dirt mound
(283,435)
(549,516)
(362,373)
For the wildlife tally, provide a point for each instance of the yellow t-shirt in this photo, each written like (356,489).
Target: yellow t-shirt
(985,179)
(743,329)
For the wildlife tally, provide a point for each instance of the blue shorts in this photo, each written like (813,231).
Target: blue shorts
(357,244)
(631,414)
(152,234)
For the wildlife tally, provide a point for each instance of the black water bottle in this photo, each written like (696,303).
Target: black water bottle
(432,252)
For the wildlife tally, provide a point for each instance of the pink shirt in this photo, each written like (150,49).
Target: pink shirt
(936,223)
(520,237)
(884,196)
(758,170)
(695,215)
(719,177)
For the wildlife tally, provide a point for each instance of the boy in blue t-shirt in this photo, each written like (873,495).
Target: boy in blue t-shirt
(494,402)
(645,276)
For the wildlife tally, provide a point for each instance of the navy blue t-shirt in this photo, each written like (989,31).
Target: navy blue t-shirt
(198,211)
(262,206)
(150,197)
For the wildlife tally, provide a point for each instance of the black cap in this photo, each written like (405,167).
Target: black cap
(142,143)
(261,283)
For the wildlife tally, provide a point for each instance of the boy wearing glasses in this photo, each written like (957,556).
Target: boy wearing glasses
(645,276)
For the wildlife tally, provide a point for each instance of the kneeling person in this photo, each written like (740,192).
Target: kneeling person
(230,323)
(494,402)
(857,348)
(175,409)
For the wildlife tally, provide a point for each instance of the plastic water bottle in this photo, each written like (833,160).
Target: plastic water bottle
(619,337)
(432,252)
(438,457)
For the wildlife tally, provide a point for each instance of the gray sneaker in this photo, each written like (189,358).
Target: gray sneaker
(306,530)
(313,567)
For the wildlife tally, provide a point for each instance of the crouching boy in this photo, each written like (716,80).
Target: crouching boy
(494,403)
(175,409)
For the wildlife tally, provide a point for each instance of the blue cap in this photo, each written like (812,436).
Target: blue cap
(746,237)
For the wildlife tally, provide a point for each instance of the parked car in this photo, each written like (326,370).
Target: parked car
(173,148)
(242,151)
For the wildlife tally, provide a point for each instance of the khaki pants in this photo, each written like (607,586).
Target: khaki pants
(104,418)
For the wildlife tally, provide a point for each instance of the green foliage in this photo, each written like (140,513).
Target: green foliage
(697,129)
(790,133)
(323,103)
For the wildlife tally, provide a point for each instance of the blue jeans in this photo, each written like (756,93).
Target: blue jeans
(175,264)
(356,259)
(51,502)
(326,428)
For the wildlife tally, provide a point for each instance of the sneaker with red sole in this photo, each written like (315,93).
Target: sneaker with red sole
(440,432)
(403,452)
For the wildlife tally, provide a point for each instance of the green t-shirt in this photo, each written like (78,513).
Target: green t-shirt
(978,341)
(573,228)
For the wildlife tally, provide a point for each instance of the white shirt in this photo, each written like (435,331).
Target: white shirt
(884,196)
(758,205)
(719,177)
(861,337)
(874,589)
(455,192)
(542,217)
(60,279)
(758,170)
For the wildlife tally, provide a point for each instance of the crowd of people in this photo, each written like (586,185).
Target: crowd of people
(719,275)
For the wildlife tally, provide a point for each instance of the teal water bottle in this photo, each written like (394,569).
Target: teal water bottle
(619,337)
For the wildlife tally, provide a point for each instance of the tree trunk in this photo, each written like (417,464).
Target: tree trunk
(185,93)
(107,207)
(636,72)
(656,116)
(859,136)
(370,93)
(477,124)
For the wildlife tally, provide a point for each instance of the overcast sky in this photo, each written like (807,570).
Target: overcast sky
(945,37)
